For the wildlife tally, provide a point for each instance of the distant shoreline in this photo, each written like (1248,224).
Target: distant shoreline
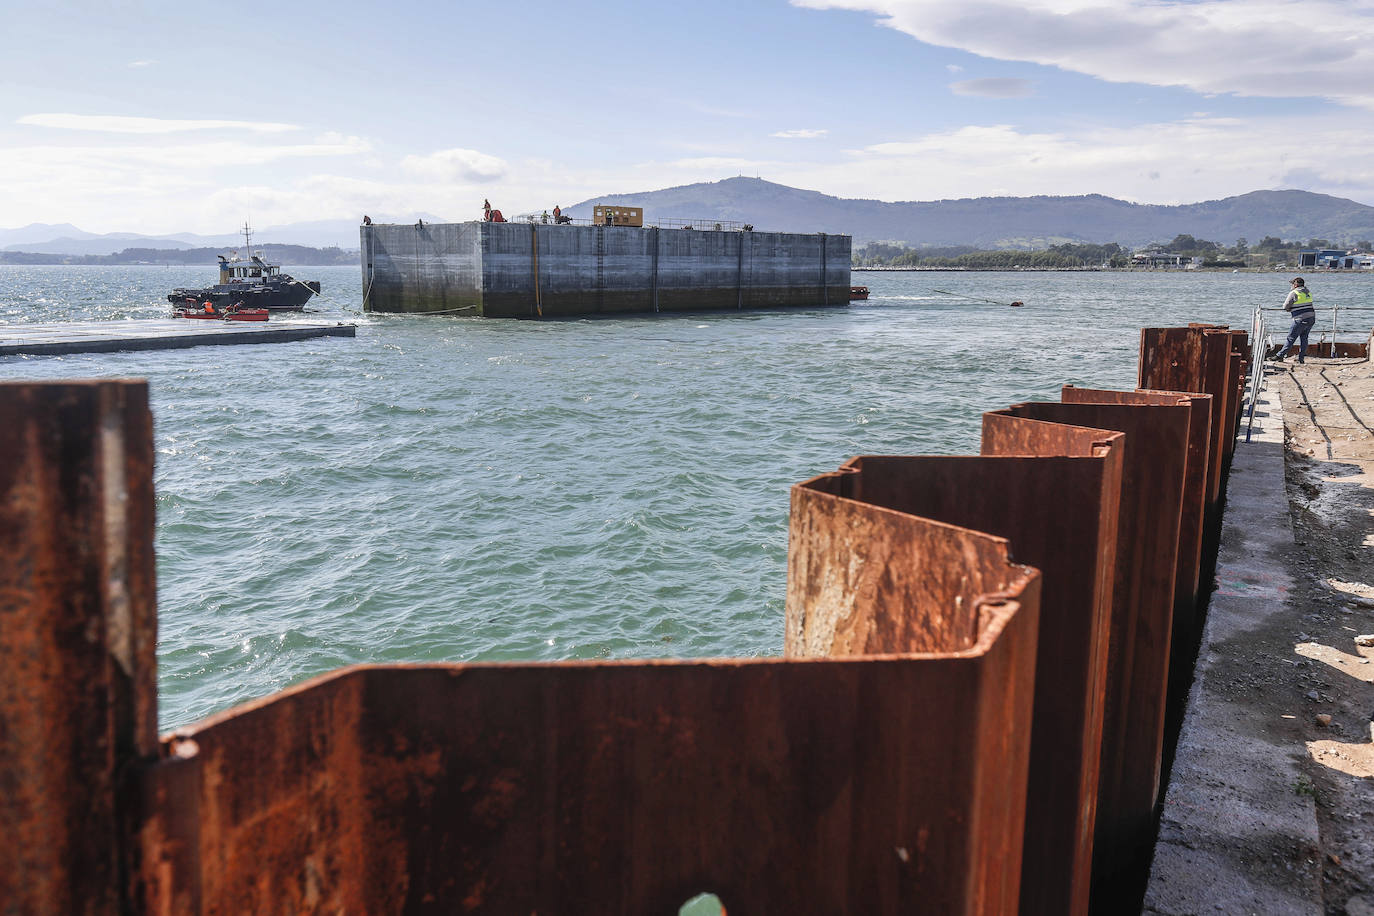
(296,255)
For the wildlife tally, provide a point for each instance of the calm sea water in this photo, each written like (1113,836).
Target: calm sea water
(456,489)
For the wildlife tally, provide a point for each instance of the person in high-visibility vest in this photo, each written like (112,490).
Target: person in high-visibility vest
(1304,313)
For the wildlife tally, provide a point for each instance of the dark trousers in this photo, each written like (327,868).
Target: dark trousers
(1301,328)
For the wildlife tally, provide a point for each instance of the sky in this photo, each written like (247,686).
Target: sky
(159,117)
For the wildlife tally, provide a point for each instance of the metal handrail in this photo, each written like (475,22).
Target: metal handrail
(1335,315)
(1259,340)
(538,219)
(718,225)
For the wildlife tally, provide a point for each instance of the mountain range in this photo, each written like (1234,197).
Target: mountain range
(985,222)
(1006,222)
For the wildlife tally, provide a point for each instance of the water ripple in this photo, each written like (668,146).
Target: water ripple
(453,489)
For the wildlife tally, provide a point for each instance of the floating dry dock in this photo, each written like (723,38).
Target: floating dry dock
(169,334)
(542,270)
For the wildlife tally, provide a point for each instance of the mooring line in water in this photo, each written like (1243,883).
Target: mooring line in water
(974,298)
(461,308)
(346,308)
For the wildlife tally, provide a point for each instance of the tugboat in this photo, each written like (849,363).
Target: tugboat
(252,282)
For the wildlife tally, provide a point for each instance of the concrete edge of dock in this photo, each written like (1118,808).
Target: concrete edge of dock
(43,341)
(1237,780)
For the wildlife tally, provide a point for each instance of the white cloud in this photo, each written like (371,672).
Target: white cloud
(1269,48)
(167,160)
(152,187)
(135,64)
(147,186)
(993,88)
(800,133)
(954,68)
(456,165)
(1172,162)
(121,125)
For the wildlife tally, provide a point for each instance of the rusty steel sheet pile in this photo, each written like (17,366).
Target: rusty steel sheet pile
(78,696)
(884,784)
(1153,475)
(1056,503)
(983,658)
(1184,629)
(1240,346)
(883,781)
(1192,360)
(1197,359)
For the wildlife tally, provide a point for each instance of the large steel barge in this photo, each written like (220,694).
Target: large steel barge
(542,270)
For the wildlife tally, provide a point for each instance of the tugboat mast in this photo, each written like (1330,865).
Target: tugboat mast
(248,238)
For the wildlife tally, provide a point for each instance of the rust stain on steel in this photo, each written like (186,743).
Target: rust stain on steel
(1187,360)
(1216,368)
(1153,476)
(266,808)
(1063,518)
(867,575)
(1196,359)
(1055,502)
(1185,626)
(883,784)
(850,592)
(1346,349)
(78,702)
(1170,359)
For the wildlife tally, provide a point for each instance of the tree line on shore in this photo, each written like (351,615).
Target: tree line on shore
(1270,251)
(302,255)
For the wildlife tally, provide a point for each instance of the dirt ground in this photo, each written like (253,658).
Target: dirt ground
(1329,431)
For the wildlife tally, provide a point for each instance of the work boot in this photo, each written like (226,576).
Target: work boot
(1278,357)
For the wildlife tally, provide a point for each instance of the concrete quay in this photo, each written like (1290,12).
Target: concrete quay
(1232,785)
(159,334)
(1270,808)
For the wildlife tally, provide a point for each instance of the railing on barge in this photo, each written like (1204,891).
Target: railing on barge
(717,225)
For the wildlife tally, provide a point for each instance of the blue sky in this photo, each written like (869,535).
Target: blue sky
(160,117)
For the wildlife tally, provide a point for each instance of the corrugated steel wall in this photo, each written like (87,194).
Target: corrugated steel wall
(985,658)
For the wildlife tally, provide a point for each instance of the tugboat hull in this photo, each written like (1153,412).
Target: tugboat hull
(275,297)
